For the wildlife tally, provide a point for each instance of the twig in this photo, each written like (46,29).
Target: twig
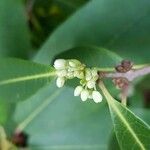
(124,94)
(123,79)
(29,7)
(130,75)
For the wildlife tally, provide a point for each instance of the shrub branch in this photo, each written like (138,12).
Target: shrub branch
(130,75)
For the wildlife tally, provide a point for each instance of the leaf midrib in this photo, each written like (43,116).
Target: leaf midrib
(111,100)
(38,110)
(26,78)
(127,125)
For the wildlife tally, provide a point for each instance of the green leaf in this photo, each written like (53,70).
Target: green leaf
(92,56)
(14,35)
(55,119)
(19,79)
(112,24)
(6,117)
(48,15)
(113,144)
(131,131)
(4,111)
(140,112)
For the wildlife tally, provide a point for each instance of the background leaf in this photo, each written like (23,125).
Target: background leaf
(45,16)
(111,24)
(92,56)
(3,110)
(14,34)
(65,122)
(19,79)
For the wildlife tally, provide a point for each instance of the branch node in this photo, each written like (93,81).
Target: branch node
(125,66)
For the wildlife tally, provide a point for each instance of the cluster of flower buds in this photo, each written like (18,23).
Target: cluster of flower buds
(68,69)
(87,89)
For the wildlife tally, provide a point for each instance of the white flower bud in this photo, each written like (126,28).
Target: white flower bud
(95,78)
(74,63)
(84,95)
(61,73)
(94,72)
(70,75)
(79,74)
(91,84)
(78,90)
(60,82)
(70,69)
(97,97)
(88,74)
(60,64)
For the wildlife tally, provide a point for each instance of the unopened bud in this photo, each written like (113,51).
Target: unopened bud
(60,82)
(74,63)
(97,97)
(59,63)
(84,95)
(91,84)
(70,75)
(78,90)
(88,74)
(94,72)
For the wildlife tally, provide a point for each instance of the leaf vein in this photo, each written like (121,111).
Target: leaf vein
(26,78)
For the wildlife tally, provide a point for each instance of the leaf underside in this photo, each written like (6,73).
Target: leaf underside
(19,79)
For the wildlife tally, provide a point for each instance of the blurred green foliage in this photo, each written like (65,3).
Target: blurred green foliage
(45,15)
